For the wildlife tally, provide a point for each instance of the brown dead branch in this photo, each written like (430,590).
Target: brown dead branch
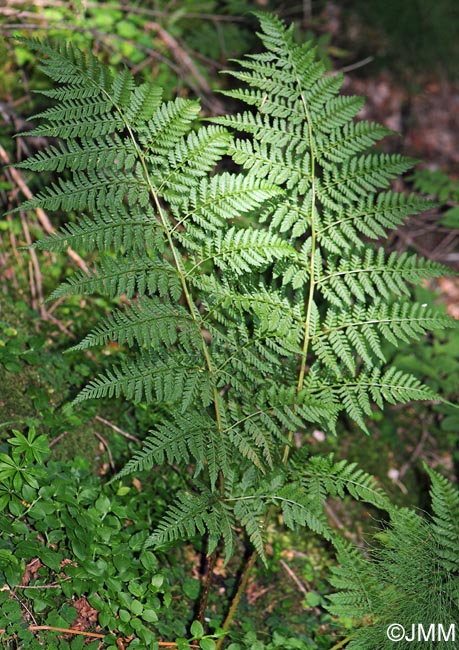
(55,440)
(416,453)
(184,60)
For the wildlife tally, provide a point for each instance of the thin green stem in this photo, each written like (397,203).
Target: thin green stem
(310,300)
(341,643)
(186,292)
(264,496)
(371,321)
(312,286)
(237,597)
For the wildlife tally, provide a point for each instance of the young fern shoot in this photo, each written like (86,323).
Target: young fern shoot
(256,306)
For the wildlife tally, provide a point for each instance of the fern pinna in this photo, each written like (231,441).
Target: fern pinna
(256,307)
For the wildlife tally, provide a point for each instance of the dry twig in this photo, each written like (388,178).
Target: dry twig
(294,577)
(109,451)
(128,436)
(96,635)
(55,440)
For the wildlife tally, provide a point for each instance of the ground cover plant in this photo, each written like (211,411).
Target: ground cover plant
(253,308)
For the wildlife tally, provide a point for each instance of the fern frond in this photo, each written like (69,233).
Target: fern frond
(272,131)
(357,177)
(393,387)
(298,509)
(139,105)
(399,578)
(274,313)
(250,515)
(241,439)
(362,330)
(166,126)
(77,155)
(336,478)
(192,159)
(241,250)
(354,577)
(92,190)
(178,440)
(226,524)
(66,64)
(352,139)
(267,162)
(355,396)
(195,514)
(71,119)
(224,197)
(256,308)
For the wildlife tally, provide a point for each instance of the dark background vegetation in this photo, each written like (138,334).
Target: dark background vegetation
(404,57)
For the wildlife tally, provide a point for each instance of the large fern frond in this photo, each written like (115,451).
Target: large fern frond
(359,333)
(134,230)
(128,276)
(253,303)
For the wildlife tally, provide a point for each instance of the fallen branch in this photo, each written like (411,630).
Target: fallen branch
(57,438)
(416,453)
(102,38)
(51,628)
(95,635)
(183,58)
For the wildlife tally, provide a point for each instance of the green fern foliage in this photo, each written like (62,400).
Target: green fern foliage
(408,576)
(253,305)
